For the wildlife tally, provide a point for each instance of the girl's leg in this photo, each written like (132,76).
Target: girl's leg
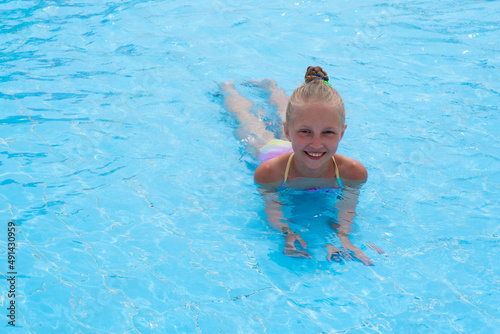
(251,129)
(278,97)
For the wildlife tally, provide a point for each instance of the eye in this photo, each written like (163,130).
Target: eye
(330,132)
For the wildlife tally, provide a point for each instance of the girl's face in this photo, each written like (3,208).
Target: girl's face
(315,132)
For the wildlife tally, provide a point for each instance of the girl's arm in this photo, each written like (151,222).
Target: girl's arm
(346,212)
(273,209)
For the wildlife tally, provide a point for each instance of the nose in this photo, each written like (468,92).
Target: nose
(316,142)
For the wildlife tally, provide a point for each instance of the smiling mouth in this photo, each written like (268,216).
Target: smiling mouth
(314,155)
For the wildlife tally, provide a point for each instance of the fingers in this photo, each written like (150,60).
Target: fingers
(338,254)
(290,249)
(352,248)
(363,258)
(347,255)
(303,244)
(358,253)
(293,252)
(333,252)
(374,247)
(292,237)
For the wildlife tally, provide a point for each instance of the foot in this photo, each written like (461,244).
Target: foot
(228,86)
(268,84)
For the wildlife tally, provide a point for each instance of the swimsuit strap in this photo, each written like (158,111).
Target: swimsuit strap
(337,174)
(287,169)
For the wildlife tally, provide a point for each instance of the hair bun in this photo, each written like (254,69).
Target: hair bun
(313,73)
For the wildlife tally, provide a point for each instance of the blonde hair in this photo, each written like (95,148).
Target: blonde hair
(316,88)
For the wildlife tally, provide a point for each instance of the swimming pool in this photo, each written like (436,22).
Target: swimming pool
(135,204)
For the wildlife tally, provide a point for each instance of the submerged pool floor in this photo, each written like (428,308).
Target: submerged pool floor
(134,203)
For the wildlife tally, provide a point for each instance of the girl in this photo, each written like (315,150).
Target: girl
(305,157)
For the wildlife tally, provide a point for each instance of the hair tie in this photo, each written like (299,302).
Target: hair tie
(320,76)
(325,80)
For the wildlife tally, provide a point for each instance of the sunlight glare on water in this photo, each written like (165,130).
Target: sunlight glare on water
(135,203)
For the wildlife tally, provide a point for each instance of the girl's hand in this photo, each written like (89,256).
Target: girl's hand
(290,249)
(358,253)
(336,254)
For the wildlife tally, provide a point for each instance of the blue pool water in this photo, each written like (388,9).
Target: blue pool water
(135,203)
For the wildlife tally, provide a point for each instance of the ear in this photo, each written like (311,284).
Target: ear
(286,130)
(343,131)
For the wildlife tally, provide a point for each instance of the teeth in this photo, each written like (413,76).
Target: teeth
(315,154)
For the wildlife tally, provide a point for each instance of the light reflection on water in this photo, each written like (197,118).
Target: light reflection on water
(136,204)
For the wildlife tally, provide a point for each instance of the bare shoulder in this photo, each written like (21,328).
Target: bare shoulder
(271,171)
(350,168)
